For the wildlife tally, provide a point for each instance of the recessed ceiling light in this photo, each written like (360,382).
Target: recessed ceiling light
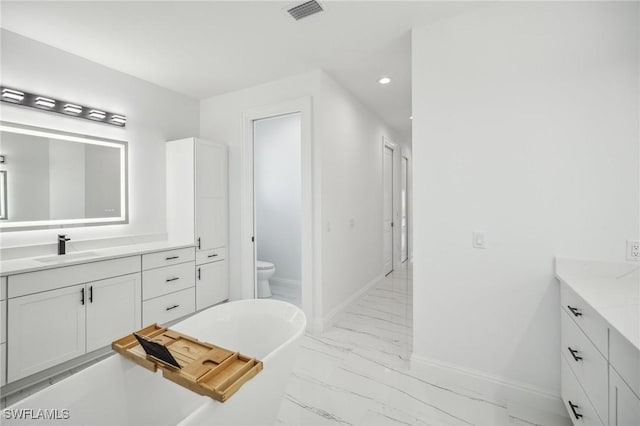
(384,80)
(411,117)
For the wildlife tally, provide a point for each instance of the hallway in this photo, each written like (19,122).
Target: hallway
(357,372)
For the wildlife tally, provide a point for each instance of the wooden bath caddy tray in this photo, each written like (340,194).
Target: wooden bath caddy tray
(204,368)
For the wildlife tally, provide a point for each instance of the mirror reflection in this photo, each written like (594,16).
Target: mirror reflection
(61,179)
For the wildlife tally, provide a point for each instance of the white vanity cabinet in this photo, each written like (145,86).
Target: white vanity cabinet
(58,314)
(197,210)
(600,352)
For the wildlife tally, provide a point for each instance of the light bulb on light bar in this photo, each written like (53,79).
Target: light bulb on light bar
(45,102)
(119,119)
(12,94)
(97,114)
(72,109)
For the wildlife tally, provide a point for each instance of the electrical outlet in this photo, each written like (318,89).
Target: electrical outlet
(633,250)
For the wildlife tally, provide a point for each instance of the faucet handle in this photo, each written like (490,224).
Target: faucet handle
(63,237)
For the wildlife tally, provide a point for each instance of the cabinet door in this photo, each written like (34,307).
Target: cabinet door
(45,329)
(113,309)
(211,194)
(212,284)
(625,405)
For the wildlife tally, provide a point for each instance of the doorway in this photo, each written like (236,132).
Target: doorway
(278,201)
(388,209)
(404,209)
(310,211)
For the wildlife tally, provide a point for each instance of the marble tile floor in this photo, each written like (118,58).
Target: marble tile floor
(357,372)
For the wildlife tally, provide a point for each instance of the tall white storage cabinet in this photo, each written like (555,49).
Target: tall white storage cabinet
(197,211)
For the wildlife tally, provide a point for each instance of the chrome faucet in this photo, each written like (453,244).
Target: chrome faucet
(62,244)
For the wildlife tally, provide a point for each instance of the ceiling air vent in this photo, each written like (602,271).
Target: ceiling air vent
(305,9)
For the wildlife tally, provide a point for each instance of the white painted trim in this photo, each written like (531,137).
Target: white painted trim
(516,396)
(285,283)
(330,319)
(310,211)
(395,197)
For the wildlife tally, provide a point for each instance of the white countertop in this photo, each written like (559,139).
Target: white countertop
(612,289)
(30,264)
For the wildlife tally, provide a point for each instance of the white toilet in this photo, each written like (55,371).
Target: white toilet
(265,270)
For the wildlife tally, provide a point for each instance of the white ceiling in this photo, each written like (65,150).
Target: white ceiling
(202,49)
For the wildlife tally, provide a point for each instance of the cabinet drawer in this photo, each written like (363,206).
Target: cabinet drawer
(582,412)
(169,307)
(3,321)
(213,255)
(160,281)
(168,257)
(625,359)
(50,279)
(587,363)
(590,322)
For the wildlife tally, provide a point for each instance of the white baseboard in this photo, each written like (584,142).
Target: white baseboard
(329,319)
(521,399)
(285,283)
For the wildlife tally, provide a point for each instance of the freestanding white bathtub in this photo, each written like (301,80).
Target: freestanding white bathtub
(117,391)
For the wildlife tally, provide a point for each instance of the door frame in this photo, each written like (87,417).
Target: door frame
(406,195)
(248,209)
(388,143)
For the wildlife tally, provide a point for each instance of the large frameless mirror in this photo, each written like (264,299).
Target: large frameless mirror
(53,179)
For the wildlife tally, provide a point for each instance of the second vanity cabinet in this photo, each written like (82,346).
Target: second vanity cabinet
(600,368)
(57,315)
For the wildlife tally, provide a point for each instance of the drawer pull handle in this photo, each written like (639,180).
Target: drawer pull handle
(199,274)
(172,257)
(82,295)
(91,294)
(213,255)
(172,307)
(573,408)
(172,279)
(574,311)
(573,354)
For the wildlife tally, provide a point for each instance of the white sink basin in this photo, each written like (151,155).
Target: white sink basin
(66,257)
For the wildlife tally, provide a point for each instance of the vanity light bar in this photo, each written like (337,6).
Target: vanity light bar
(18,97)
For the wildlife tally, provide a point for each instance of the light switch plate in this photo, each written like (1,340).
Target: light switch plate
(633,250)
(479,240)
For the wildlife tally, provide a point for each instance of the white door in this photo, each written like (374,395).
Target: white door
(211,284)
(211,187)
(404,224)
(45,329)
(388,210)
(113,309)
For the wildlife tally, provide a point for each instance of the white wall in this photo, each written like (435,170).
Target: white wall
(347,150)
(278,194)
(154,115)
(525,127)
